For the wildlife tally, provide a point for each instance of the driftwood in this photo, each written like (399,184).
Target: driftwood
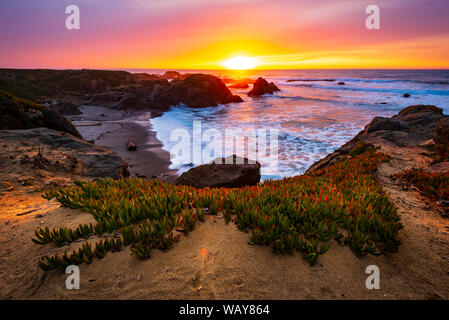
(131,145)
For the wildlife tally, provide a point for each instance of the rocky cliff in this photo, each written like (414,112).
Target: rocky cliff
(18,113)
(423,127)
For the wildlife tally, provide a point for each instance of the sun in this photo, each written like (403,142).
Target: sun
(240,63)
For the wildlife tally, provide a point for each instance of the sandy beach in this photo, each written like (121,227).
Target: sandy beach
(112,128)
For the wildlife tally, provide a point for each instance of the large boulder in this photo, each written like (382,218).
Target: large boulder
(261,86)
(72,154)
(230,172)
(17,113)
(381,123)
(201,90)
(420,115)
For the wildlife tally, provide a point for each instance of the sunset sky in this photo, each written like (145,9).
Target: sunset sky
(201,34)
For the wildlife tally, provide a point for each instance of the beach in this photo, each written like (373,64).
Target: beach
(112,128)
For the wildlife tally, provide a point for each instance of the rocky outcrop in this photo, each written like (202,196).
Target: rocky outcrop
(168,75)
(442,140)
(201,90)
(174,75)
(230,172)
(196,90)
(414,126)
(147,76)
(261,87)
(70,154)
(65,108)
(17,113)
(381,123)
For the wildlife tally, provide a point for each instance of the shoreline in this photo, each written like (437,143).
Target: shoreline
(116,126)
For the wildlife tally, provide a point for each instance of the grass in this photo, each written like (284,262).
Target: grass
(434,186)
(344,202)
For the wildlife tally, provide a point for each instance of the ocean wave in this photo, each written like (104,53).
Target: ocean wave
(439,92)
(431,82)
(323,99)
(365,80)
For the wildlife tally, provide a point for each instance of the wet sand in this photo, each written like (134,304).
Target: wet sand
(149,160)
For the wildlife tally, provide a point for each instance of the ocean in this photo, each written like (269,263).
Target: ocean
(313,116)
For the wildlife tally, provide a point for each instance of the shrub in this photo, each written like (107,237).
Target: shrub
(434,186)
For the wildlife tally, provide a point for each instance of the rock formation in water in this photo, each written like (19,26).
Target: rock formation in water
(261,87)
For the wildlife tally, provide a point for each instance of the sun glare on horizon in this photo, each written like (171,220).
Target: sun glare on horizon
(240,63)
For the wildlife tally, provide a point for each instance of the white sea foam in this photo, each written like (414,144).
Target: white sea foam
(312,118)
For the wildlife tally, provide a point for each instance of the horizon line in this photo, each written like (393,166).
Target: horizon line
(216,69)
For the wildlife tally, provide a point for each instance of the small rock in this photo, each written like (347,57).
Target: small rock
(131,145)
(406,95)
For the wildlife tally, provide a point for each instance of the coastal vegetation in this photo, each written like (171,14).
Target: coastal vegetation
(434,186)
(344,201)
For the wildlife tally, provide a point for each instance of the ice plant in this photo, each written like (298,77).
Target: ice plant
(344,202)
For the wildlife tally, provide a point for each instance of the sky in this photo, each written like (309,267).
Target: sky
(201,34)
